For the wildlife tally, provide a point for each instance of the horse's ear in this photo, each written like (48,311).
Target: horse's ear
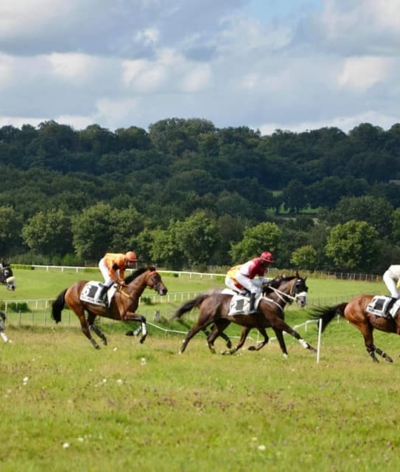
(297,274)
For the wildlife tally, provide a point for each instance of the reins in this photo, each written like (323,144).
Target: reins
(286,297)
(123,292)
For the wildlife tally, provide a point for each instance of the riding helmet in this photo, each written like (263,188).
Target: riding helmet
(130,256)
(267,257)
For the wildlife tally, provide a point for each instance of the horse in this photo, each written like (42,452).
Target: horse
(275,292)
(122,307)
(6,275)
(214,307)
(355,312)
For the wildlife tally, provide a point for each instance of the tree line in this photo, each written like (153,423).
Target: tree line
(185,194)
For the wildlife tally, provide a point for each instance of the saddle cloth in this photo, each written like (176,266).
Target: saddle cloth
(91,290)
(378,306)
(240,305)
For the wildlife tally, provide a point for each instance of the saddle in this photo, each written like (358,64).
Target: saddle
(91,292)
(381,305)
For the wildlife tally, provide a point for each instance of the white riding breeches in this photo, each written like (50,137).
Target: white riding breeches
(105,273)
(253,286)
(391,284)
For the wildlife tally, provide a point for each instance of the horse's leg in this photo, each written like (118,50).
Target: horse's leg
(90,319)
(243,336)
(280,325)
(143,326)
(279,337)
(367,332)
(383,354)
(262,343)
(201,324)
(218,330)
(80,313)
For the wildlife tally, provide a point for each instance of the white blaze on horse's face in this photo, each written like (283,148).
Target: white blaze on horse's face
(301,299)
(11,285)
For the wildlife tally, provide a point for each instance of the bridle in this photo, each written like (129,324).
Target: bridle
(293,295)
(6,276)
(150,276)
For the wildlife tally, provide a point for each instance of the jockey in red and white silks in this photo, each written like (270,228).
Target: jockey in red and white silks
(243,277)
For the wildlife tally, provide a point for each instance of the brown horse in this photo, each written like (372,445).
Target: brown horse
(215,307)
(122,307)
(355,313)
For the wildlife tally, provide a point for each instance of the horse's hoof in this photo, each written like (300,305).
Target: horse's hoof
(388,359)
(129,333)
(142,339)
(251,348)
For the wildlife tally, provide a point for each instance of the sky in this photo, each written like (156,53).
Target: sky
(292,65)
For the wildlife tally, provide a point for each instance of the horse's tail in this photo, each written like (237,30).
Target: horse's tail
(58,306)
(189,305)
(326,314)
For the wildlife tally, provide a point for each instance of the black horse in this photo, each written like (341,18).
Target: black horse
(6,275)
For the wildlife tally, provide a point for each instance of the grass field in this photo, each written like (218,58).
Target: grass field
(66,406)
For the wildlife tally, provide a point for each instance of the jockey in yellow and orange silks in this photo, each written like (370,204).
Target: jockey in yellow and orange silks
(113,266)
(242,277)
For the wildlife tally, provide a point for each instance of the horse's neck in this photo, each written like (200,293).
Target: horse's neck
(282,295)
(137,287)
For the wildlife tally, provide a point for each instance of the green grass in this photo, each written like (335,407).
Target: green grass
(66,406)
(81,409)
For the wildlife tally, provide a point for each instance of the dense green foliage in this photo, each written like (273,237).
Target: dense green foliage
(186,194)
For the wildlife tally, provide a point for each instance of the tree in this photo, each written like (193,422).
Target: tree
(164,250)
(197,237)
(10,230)
(376,212)
(304,257)
(263,237)
(353,246)
(49,233)
(93,232)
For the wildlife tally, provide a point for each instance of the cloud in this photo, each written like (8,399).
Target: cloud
(134,62)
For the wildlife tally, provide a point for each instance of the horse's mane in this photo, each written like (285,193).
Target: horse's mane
(138,272)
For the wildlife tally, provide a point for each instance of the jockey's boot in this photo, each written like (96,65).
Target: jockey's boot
(103,294)
(252,302)
(393,300)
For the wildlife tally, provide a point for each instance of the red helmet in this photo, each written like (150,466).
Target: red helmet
(267,257)
(130,256)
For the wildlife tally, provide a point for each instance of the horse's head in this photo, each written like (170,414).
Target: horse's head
(300,290)
(154,281)
(295,287)
(6,275)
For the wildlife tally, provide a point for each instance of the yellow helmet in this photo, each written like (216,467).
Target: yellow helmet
(130,256)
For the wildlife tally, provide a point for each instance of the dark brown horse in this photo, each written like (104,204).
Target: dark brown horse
(355,313)
(215,306)
(123,306)
(279,290)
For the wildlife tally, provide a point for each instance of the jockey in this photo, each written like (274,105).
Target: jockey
(113,266)
(241,277)
(391,279)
